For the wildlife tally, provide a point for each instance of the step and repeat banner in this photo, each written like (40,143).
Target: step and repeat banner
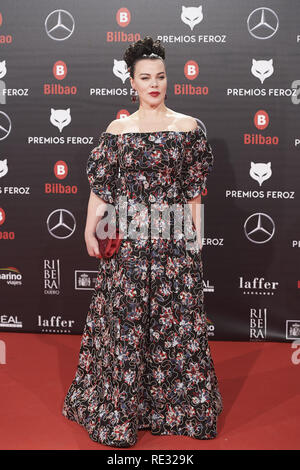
(232,65)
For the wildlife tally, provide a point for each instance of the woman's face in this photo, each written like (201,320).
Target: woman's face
(149,77)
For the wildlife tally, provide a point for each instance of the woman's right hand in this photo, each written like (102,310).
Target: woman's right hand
(92,245)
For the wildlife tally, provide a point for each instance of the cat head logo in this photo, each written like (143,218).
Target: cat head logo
(3,69)
(262,69)
(262,23)
(120,70)
(259,228)
(59,25)
(191,16)
(3,167)
(60,118)
(5,125)
(260,172)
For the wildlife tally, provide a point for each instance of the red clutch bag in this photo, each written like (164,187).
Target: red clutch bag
(109,246)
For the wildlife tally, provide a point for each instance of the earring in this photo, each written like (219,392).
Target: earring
(165,96)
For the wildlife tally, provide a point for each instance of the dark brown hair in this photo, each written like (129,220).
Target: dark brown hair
(143,49)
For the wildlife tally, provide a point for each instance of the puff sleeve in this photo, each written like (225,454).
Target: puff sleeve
(102,167)
(197,163)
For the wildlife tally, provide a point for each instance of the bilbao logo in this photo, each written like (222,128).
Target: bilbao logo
(60,70)
(5,38)
(61,169)
(122,114)
(191,70)
(61,172)
(261,119)
(123,17)
(2,216)
(3,234)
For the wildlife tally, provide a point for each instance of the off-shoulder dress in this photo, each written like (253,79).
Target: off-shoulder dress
(145,360)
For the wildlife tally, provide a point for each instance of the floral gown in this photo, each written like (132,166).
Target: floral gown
(144,360)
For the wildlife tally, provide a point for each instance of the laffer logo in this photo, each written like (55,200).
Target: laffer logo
(258,286)
(54,324)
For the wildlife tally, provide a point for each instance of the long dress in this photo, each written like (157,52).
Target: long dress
(144,359)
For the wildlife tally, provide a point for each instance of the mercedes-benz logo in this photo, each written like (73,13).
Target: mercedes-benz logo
(259,228)
(61,223)
(262,23)
(5,125)
(59,25)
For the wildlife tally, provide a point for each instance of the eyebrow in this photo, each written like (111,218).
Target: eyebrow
(144,73)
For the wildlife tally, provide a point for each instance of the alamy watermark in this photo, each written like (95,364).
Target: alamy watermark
(296,354)
(2,352)
(134,221)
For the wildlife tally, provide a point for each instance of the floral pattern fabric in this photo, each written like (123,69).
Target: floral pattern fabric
(144,359)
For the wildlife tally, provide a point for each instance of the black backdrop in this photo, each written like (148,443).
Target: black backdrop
(232,65)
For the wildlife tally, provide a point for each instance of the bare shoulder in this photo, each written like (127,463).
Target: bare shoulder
(115,126)
(186,123)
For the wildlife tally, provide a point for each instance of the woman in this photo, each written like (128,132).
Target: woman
(144,360)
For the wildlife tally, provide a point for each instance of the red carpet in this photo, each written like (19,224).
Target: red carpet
(260,386)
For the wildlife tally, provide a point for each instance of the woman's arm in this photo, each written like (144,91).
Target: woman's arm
(95,212)
(195,205)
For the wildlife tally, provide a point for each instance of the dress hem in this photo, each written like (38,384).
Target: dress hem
(140,428)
